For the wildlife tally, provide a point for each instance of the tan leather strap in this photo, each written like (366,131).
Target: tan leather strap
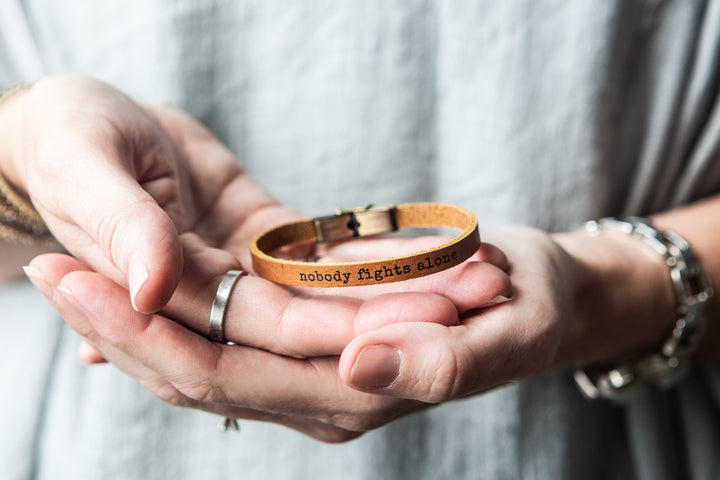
(362,222)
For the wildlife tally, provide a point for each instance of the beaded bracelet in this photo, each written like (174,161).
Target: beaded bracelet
(667,367)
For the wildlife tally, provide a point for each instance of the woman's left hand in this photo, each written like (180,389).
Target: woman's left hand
(285,366)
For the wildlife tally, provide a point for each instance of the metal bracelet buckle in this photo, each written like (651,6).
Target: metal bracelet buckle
(355,222)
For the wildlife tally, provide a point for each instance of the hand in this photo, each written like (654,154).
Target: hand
(153,184)
(118,184)
(143,195)
(490,347)
(241,381)
(577,300)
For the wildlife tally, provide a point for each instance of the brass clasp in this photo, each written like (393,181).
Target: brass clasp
(355,222)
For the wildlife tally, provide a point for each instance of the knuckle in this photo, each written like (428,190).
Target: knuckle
(111,229)
(124,334)
(116,339)
(285,329)
(203,388)
(280,332)
(201,391)
(504,285)
(446,376)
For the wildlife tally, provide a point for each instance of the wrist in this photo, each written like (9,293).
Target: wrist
(623,300)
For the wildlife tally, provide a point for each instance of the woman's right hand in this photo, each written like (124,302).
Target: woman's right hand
(108,182)
(118,184)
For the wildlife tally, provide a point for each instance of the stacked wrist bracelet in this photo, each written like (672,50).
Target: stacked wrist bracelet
(19,221)
(667,367)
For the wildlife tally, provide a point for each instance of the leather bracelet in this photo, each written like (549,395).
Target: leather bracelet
(667,367)
(363,222)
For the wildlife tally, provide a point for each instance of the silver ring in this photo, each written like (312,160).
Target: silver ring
(217,312)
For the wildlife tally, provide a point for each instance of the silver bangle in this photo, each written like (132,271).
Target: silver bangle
(667,367)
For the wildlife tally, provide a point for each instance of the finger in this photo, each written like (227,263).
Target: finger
(99,211)
(45,272)
(264,315)
(127,234)
(202,371)
(492,254)
(267,316)
(159,386)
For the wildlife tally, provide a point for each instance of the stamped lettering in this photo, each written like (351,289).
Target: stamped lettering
(370,276)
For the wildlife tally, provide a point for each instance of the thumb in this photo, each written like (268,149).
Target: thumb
(103,216)
(143,243)
(426,362)
(85,147)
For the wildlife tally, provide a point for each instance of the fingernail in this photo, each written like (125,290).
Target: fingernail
(39,281)
(137,276)
(376,366)
(498,300)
